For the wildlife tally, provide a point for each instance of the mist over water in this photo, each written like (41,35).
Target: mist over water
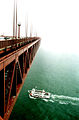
(57,74)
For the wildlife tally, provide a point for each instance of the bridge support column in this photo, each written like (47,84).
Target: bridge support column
(2,92)
(14,85)
(33,50)
(32,53)
(29,55)
(25,63)
(27,60)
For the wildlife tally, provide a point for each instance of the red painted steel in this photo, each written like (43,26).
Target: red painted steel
(13,70)
(1,118)
(12,42)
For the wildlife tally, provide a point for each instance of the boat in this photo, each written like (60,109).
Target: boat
(34,93)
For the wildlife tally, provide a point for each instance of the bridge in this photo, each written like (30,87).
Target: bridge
(16,57)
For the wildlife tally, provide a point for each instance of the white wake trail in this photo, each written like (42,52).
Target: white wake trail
(61,99)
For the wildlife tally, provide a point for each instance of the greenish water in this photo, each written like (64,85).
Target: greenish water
(57,74)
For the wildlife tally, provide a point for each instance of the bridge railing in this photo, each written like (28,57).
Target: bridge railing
(6,43)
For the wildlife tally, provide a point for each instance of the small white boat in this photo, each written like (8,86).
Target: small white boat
(34,93)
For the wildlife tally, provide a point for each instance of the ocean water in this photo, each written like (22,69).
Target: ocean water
(57,74)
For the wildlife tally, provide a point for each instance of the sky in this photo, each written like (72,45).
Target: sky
(55,21)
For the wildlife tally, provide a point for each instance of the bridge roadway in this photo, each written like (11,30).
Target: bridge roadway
(16,57)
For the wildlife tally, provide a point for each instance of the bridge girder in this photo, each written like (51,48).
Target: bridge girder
(13,71)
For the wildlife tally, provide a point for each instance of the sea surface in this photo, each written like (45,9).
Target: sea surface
(57,74)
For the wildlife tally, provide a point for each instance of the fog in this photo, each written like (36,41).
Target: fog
(55,21)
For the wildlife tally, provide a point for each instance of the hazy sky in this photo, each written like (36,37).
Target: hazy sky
(55,21)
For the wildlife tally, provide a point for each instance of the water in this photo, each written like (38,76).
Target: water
(57,74)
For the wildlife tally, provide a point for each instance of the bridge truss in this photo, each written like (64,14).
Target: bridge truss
(14,67)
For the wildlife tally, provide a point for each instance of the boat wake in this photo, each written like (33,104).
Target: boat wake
(61,99)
